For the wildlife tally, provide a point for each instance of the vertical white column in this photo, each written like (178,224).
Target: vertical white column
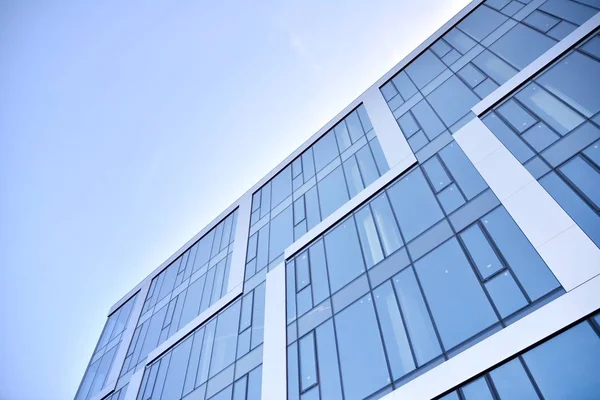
(566,249)
(394,145)
(274,377)
(134,385)
(240,245)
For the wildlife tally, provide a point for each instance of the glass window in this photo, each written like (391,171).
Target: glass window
(380,160)
(451,198)
(511,381)
(308,363)
(463,171)
(549,108)
(368,236)
(471,75)
(509,138)
(332,192)
(477,390)
(367,166)
(282,234)
(386,224)
(304,301)
(484,257)
(481,22)
(353,178)
(329,375)
(585,177)
(520,119)
(540,136)
(173,386)
(344,258)
(414,204)
(531,271)
(258,315)
(393,331)
(302,270)
(505,294)
(443,273)
(408,124)
(579,349)
(318,271)
(541,21)
(521,45)
(426,67)
(494,67)
(225,339)
(313,214)
(436,173)
(281,186)
(416,317)
(292,372)
(429,121)
(325,150)
(452,100)
(342,136)
(404,85)
(354,127)
(363,366)
(459,40)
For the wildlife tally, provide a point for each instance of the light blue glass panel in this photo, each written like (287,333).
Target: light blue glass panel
(509,138)
(436,173)
(463,171)
(363,366)
(566,367)
(404,85)
(585,177)
(481,22)
(494,67)
(353,178)
(329,375)
(549,108)
(408,125)
(173,387)
(393,331)
(477,390)
(484,257)
(318,271)
(420,328)
(452,100)
(521,45)
(459,40)
(325,150)
(386,224)
(443,273)
(367,166)
(225,338)
(426,67)
(429,121)
(332,192)
(308,362)
(292,372)
(342,136)
(540,136)
(255,384)
(414,204)
(541,21)
(520,119)
(282,233)
(281,186)
(531,271)
(258,316)
(344,258)
(451,198)
(471,75)
(511,382)
(505,294)
(368,236)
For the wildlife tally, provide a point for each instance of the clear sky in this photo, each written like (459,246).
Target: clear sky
(126,126)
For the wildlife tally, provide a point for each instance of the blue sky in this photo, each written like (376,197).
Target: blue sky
(126,126)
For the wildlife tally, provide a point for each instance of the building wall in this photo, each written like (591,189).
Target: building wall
(437,239)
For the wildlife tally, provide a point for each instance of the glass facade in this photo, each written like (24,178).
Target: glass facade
(334,169)
(552,126)
(430,267)
(540,373)
(183,290)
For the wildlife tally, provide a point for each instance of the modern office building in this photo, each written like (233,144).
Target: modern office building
(438,238)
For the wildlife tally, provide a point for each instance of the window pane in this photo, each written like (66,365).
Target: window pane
(367,166)
(363,366)
(494,67)
(325,150)
(329,375)
(353,178)
(342,136)
(452,100)
(354,127)
(308,365)
(443,273)
(368,236)
(281,186)
(531,271)
(258,315)
(481,22)
(463,171)
(424,341)
(392,329)
(177,369)
(477,390)
(302,272)
(225,339)
(426,67)
(437,175)
(521,45)
(386,223)
(566,367)
(282,233)
(505,294)
(344,258)
(404,85)
(585,177)
(520,119)
(292,372)
(332,192)
(313,215)
(429,121)
(486,260)
(511,382)
(414,204)
(318,271)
